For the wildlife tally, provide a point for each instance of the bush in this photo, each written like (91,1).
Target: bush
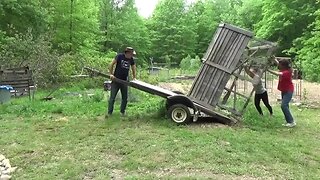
(189,63)
(35,52)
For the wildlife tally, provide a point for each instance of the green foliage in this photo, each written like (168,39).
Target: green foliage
(35,52)
(95,97)
(168,61)
(185,62)
(23,15)
(249,13)
(75,25)
(67,35)
(122,26)
(284,21)
(307,49)
(189,63)
(195,63)
(170,27)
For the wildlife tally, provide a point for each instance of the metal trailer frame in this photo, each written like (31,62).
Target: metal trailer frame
(181,109)
(226,56)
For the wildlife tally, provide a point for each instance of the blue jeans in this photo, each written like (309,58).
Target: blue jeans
(286,98)
(124,97)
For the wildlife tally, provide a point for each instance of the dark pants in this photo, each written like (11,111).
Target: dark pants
(124,96)
(265,100)
(286,98)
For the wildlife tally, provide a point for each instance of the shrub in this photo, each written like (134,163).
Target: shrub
(35,52)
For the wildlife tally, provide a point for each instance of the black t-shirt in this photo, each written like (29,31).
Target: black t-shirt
(123,66)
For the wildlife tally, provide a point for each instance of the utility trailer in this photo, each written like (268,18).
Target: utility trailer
(214,89)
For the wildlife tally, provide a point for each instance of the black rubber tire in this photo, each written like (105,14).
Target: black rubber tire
(179,114)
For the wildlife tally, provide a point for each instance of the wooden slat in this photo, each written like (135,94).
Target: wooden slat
(14,72)
(14,80)
(218,59)
(233,111)
(242,95)
(198,80)
(224,77)
(221,76)
(223,43)
(19,78)
(237,29)
(20,85)
(221,59)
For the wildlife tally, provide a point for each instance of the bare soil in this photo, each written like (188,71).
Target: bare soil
(305,92)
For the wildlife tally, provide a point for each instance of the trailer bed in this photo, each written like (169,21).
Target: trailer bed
(152,89)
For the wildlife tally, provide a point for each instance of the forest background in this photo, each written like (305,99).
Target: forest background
(57,38)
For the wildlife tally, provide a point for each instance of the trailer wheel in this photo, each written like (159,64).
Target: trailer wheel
(179,113)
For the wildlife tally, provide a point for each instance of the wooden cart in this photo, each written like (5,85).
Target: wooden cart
(211,93)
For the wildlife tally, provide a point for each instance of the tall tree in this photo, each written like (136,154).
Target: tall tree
(307,49)
(123,27)
(75,25)
(172,33)
(249,13)
(205,23)
(284,21)
(22,15)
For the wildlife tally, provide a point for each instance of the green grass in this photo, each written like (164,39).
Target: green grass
(68,138)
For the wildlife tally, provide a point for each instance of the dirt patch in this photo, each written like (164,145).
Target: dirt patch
(193,173)
(306,92)
(181,87)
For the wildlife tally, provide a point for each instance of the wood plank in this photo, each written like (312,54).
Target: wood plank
(237,29)
(14,83)
(222,75)
(233,111)
(212,43)
(151,89)
(213,87)
(20,86)
(232,55)
(199,78)
(14,80)
(216,58)
(247,102)
(219,60)
(219,75)
(17,68)
(13,77)
(217,54)
(14,72)
(224,57)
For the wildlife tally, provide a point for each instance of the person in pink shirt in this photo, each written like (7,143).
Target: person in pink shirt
(286,87)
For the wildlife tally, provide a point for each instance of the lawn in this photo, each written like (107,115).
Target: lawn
(68,138)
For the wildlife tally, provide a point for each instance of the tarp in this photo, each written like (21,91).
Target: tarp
(6,87)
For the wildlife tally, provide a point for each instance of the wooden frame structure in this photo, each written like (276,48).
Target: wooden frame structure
(20,79)
(230,50)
